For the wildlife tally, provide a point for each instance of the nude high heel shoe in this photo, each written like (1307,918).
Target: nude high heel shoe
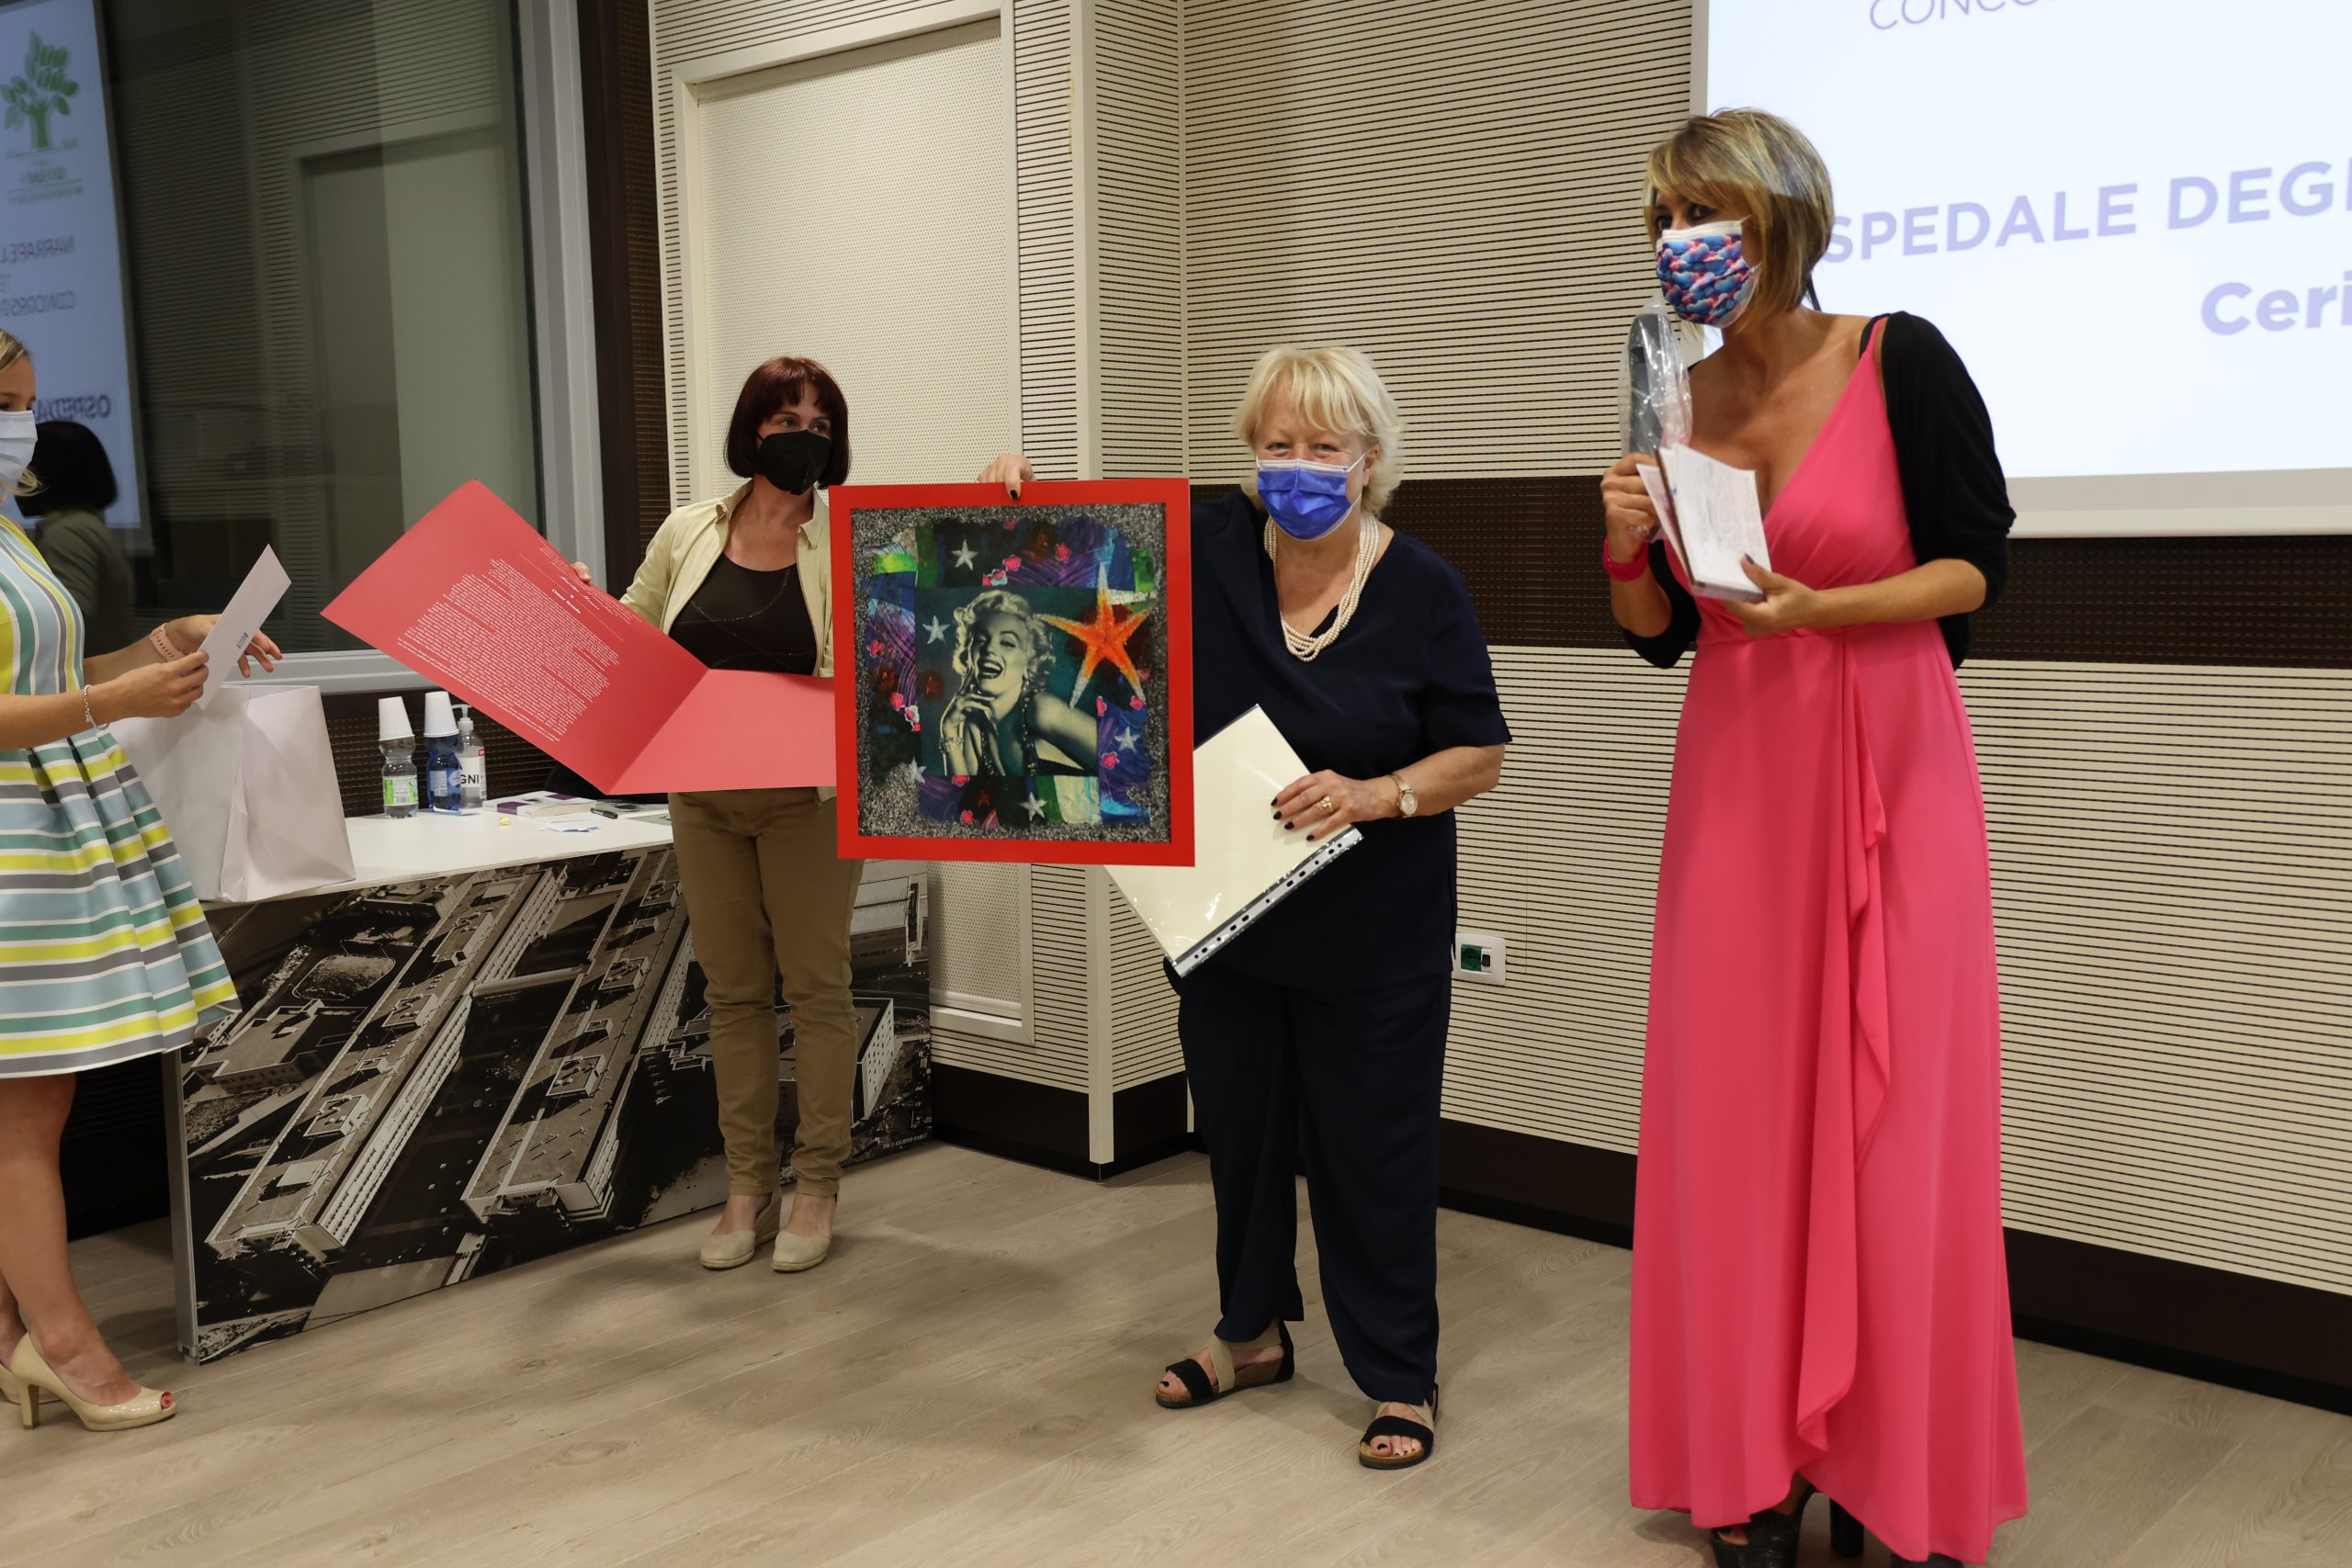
(35,1379)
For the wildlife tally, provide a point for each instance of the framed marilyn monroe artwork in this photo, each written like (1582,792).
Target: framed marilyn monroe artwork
(1012,678)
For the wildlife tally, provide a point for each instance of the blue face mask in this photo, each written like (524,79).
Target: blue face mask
(1306,499)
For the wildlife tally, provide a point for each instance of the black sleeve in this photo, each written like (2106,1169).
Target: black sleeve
(1463,707)
(1223,533)
(1666,649)
(1214,517)
(1953,489)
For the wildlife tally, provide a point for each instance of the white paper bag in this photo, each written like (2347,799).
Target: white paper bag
(247,784)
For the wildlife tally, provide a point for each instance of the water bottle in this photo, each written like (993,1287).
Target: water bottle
(399,743)
(445,788)
(473,762)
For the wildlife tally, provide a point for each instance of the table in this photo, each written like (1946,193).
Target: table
(488,1045)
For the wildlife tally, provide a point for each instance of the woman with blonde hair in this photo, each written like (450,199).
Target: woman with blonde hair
(1820,1297)
(1323,1025)
(107,957)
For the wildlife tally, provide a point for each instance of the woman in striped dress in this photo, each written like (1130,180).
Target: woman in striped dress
(104,953)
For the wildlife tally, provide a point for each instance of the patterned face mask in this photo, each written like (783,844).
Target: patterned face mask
(1702,273)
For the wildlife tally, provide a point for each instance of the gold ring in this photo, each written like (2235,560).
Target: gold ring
(1328,807)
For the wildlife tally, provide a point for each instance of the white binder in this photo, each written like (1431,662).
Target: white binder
(1243,862)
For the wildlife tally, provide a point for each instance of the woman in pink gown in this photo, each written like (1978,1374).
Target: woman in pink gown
(1820,1299)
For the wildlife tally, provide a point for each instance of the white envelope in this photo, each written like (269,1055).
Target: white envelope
(1243,862)
(1715,521)
(255,597)
(247,784)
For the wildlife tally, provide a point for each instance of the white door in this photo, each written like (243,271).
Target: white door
(855,209)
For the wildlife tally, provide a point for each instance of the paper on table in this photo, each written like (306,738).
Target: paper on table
(1244,863)
(247,608)
(1717,521)
(474,600)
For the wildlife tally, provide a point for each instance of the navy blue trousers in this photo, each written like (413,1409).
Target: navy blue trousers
(1350,1080)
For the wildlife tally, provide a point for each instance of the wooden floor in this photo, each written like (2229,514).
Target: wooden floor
(967,1381)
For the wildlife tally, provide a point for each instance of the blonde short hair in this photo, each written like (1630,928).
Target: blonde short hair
(12,348)
(1748,162)
(1333,389)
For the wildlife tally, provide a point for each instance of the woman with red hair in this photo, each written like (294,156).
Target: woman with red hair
(744,583)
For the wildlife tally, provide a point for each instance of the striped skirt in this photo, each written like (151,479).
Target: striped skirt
(103,951)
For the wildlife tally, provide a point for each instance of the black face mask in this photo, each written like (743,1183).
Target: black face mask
(792,460)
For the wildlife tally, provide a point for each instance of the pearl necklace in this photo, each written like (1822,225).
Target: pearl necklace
(1306,648)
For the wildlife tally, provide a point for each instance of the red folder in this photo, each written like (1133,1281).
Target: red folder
(474,600)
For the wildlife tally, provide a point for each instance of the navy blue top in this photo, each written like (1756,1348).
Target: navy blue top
(1409,677)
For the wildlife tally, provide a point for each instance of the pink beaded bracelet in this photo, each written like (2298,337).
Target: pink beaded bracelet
(1629,571)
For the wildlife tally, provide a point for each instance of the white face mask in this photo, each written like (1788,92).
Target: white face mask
(16,446)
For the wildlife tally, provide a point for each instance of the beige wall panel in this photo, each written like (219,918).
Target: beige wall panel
(2172,888)
(1453,188)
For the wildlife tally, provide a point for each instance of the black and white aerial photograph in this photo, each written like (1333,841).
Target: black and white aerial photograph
(439,1080)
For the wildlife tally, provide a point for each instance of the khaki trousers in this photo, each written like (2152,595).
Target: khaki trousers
(767,895)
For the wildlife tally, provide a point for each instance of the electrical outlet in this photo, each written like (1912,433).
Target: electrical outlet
(1478,956)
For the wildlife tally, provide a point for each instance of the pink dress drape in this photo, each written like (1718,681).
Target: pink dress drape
(1819,1285)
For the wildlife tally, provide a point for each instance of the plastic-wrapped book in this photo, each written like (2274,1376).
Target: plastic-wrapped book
(1244,863)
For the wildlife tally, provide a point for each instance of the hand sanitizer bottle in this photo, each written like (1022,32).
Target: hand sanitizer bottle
(473,763)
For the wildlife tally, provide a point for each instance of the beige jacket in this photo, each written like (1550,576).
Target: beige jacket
(689,543)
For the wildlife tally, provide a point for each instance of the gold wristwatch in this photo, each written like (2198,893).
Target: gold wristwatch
(1408,802)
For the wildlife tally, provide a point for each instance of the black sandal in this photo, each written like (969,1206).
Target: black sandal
(1773,1536)
(1845,1530)
(1398,1427)
(1846,1541)
(1205,1388)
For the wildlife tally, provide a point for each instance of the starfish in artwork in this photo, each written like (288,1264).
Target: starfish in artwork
(964,554)
(1126,740)
(1105,636)
(1036,807)
(935,629)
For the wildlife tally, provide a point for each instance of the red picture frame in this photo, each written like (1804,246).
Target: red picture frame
(854,676)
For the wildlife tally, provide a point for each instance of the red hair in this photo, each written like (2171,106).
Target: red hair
(768,391)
